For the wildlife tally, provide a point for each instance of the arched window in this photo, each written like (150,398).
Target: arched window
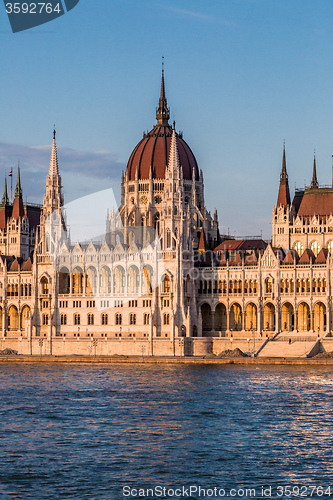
(166,319)
(146,319)
(77,319)
(118,319)
(104,319)
(90,319)
(168,238)
(166,284)
(45,286)
(330,247)
(132,319)
(63,319)
(269,285)
(299,247)
(157,223)
(315,247)
(45,319)
(282,286)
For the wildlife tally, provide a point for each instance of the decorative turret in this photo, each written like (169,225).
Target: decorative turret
(314,183)
(52,223)
(18,189)
(173,164)
(5,200)
(53,199)
(284,194)
(162,112)
(18,208)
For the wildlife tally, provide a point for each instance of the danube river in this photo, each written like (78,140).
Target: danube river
(117,431)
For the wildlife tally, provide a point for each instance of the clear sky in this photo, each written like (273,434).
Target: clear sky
(242,76)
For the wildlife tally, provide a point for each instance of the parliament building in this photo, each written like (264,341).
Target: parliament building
(163,281)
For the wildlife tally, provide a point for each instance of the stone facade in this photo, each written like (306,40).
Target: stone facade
(164,281)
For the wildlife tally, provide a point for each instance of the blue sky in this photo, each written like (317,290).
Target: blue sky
(242,76)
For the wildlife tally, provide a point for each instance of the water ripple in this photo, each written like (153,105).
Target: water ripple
(76,432)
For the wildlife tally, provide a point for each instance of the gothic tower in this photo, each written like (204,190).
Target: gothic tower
(282,216)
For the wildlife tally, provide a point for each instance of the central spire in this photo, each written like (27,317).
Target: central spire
(314,183)
(162,112)
(284,194)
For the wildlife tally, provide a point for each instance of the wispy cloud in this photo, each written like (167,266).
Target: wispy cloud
(82,172)
(199,15)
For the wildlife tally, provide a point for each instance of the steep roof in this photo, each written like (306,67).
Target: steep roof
(307,257)
(316,201)
(291,257)
(322,256)
(244,245)
(27,265)
(284,194)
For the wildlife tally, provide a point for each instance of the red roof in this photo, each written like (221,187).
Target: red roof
(322,256)
(291,257)
(15,266)
(18,208)
(284,195)
(307,257)
(221,259)
(241,245)
(316,202)
(5,213)
(27,265)
(235,259)
(251,258)
(153,151)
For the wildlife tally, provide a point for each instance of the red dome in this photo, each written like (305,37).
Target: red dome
(153,151)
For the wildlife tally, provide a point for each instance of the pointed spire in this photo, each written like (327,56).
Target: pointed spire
(4,200)
(53,198)
(18,208)
(18,189)
(284,193)
(162,112)
(314,183)
(284,163)
(202,247)
(54,170)
(173,163)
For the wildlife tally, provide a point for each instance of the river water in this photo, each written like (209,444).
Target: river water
(128,431)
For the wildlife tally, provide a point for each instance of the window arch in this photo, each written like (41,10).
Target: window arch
(44,286)
(132,319)
(315,247)
(157,223)
(90,319)
(299,247)
(118,319)
(330,247)
(169,239)
(269,285)
(166,284)
(77,319)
